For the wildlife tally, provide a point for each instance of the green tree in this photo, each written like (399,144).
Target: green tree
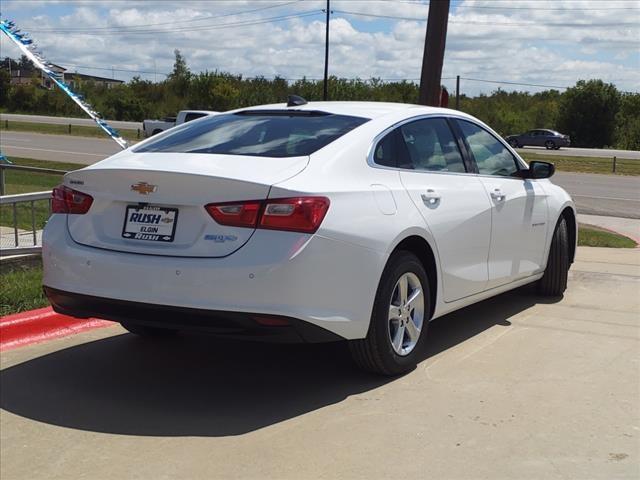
(587,113)
(5,86)
(180,76)
(628,122)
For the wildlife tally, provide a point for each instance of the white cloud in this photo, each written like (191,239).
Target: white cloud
(479,45)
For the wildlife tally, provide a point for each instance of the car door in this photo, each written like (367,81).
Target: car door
(519,219)
(452,202)
(528,139)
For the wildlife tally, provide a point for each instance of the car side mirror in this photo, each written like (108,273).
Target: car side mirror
(537,170)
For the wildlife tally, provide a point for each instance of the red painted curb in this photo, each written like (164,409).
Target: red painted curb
(40,325)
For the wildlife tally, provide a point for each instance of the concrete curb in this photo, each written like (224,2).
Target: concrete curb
(40,325)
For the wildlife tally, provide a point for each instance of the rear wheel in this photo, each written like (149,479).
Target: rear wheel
(554,281)
(145,331)
(514,143)
(399,319)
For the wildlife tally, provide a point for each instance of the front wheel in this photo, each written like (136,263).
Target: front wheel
(550,144)
(514,143)
(554,281)
(399,320)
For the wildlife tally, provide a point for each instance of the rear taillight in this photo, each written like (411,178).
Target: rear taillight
(302,214)
(238,214)
(67,200)
(298,214)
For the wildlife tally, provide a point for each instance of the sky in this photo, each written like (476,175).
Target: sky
(490,43)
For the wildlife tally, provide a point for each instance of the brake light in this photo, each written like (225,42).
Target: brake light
(298,214)
(237,214)
(67,200)
(301,214)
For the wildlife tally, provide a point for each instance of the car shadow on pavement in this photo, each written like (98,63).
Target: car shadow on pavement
(201,386)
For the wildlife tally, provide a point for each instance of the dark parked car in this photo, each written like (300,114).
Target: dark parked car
(550,139)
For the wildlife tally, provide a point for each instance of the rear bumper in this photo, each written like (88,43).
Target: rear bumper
(324,282)
(229,324)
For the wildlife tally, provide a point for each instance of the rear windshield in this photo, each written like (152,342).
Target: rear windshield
(258,133)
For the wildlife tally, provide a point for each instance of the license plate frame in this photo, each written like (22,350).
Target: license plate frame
(135,229)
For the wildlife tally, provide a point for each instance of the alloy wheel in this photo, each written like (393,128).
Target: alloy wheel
(406,314)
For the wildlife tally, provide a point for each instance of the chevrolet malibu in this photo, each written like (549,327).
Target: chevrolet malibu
(308,222)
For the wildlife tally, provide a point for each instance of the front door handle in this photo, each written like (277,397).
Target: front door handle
(498,196)
(431,198)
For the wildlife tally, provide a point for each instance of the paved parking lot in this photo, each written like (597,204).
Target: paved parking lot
(514,387)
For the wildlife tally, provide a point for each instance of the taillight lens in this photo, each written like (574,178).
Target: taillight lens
(302,214)
(238,214)
(298,214)
(67,200)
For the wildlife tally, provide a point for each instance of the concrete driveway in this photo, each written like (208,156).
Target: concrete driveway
(515,387)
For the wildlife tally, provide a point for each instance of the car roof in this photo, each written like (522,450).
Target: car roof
(359,109)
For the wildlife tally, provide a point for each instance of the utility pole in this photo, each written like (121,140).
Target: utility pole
(433,57)
(325,86)
(457,92)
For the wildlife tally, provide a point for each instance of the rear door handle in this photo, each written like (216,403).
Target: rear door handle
(498,196)
(431,198)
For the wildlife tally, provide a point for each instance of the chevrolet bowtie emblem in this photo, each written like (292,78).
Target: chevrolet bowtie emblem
(144,188)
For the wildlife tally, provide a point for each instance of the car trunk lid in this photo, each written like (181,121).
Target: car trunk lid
(153,203)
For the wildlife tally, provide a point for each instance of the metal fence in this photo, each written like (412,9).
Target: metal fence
(23,215)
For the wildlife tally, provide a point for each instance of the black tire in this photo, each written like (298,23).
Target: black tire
(144,331)
(554,281)
(550,145)
(375,352)
(514,143)
(156,131)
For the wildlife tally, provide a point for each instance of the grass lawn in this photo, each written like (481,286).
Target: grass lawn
(586,164)
(592,236)
(76,130)
(25,182)
(21,288)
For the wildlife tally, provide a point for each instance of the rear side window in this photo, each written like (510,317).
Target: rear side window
(431,146)
(491,156)
(278,133)
(192,116)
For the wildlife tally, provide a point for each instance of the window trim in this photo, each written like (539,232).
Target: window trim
(379,137)
(469,160)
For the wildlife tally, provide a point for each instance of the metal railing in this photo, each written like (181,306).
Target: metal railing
(10,166)
(24,234)
(21,237)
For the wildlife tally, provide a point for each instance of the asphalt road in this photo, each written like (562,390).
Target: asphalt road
(583,152)
(594,194)
(515,387)
(60,148)
(66,120)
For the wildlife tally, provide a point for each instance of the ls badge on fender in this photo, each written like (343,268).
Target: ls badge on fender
(144,188)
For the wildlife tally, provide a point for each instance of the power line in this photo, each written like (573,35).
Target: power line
(504,82)
(485,7)
(199,19)
(194,29)
(493,24)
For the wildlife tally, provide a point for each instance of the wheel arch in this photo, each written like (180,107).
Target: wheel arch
(422,249)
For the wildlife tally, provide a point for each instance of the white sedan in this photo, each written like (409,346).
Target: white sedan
(308,222)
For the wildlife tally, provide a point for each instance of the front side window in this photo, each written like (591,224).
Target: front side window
(491,156)
(431,146)
(262,133)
